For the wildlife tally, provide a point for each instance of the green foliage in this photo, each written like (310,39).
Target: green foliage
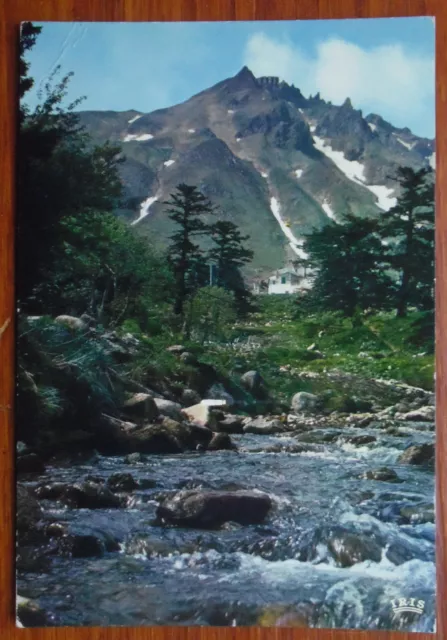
(209,313)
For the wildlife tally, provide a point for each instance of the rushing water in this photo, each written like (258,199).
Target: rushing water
(280,572)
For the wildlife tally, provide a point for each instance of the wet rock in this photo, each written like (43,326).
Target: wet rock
(169,409)
(56,530)
(28,511)
(418,514)
(142,407)
(119,482)
(418,454)
(264,426)
(382,475)
(319,436)
(285,448)
(218,392)
(190,397)
(221,441)
(50,491)
(253,382)
(91,495)
(304,402)
(30,614)
(229,424)
(134,458)
(86,546)
(424,414)
(361,440)
(211,509)
(349,548)
(29,463)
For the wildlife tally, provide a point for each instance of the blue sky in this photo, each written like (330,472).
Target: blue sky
(385,66)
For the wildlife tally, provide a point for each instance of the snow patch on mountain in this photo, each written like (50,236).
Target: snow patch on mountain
(351,168)
(298,173)
(328,210)
(372,126)
(230,111)
(432,160)
(385,200)
(264,174)
(355,171)
(144,208)
(191,130)
(134,119)
(405,144)
(168,163)
(294,242)
(138,137)
(313,127)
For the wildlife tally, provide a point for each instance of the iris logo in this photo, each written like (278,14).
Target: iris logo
(408,605)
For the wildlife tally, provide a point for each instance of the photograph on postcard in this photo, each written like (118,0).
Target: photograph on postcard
(225,408)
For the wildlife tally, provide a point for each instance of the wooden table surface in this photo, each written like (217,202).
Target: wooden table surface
(11,13)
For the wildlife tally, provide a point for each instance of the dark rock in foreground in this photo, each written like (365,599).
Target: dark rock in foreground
(349,548)
(211,509)
(121,482)
(27,509)
(420,454)
(221,441)
(91,495)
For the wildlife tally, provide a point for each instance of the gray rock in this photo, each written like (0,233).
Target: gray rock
(217,392)
(190,397)
(30,614)
(229,424)
(188,358)
(303,402)
(91,495)
(253,382)
(169,409)
(211,509)
(418,514)
(418,454)
(28,511)
(424,414)
(221,441)
(361,440)
(71,322)
(141,406)
(382,475)
(118,482)
(349,548)
(264,426)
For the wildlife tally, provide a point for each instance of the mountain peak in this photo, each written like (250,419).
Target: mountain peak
(347,104)
(244,78)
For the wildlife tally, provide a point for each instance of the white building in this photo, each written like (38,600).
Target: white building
(288,280)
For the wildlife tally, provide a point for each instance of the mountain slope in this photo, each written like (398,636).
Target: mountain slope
(274,162)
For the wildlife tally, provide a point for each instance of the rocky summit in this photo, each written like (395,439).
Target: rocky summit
(276,163)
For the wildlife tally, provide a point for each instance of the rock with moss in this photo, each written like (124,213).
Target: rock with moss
(303,402)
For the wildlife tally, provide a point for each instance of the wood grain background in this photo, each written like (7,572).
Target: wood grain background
(11,13)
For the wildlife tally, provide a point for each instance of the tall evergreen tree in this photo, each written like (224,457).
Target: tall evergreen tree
(348,263)
(187,207)
(229,254)
(407,231)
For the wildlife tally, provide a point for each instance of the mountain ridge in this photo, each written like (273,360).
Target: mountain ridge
(276,163)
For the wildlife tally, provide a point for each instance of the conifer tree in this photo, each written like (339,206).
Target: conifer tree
(187,207)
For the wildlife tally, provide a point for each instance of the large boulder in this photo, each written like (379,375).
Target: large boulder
(169,409)
(141,407)
(190,397)
(382,475)
(303,402)
(418,454)
(349,548)
(221,441)
(211,509)
(30,614)
(91,495)
(424,414)
(264,426)
(28,511)
(253,382)
(119,482)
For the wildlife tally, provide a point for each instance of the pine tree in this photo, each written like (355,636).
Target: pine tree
(186,208)
(347,260)
(407,231)
(229,255)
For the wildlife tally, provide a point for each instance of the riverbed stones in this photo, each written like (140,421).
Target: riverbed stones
(211,509)
(229,423)
(264,426)
(142,407)
(91,495)
(384,474)
(28,511)
(304,402)
(361,440)
(121,482)
(424,414)
(418,514)
(418,454)
(349,548)
(169,409)
(221,441)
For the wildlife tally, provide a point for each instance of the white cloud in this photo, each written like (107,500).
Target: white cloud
(391,80)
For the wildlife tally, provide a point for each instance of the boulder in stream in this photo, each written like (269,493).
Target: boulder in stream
(348,548)
(91,495)
(141,406)
(382,475)
(264,426)
(119,482)
(229,423)
(303,402)
(418,454)
(211,509)
(221,441)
